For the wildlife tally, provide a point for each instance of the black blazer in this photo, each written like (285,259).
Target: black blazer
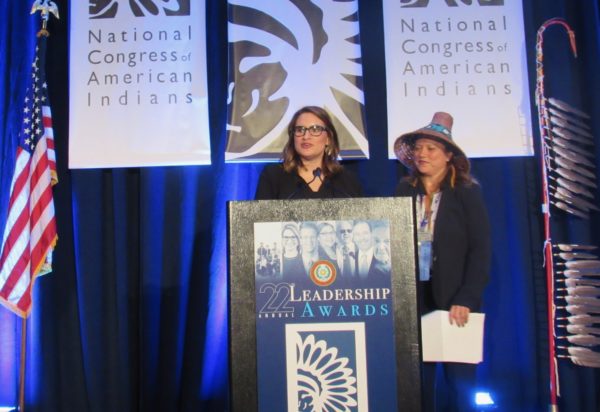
(275,183)
(461,246)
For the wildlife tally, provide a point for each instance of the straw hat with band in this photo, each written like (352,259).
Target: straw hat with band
(440,129)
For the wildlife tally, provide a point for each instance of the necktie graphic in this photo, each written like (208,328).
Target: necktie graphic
(347,267)
(309,264)
(363,267)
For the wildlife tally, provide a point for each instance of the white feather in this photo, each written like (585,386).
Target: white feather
(579,309)
(591,303)
(584,290)
(579,282)
(583,353)
(583,319)
(581,329)
(584,340)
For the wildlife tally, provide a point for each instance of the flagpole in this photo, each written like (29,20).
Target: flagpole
(45,7)
(22,364)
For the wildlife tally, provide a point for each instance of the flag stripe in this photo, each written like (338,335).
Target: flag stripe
(25,301)
(20,286)
(16,239)
(44,235)
(41,215)
(20,179)
(16,273)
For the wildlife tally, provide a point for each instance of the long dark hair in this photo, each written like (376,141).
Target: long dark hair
(291,159)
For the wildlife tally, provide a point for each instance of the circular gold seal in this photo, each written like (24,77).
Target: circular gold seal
(322,273)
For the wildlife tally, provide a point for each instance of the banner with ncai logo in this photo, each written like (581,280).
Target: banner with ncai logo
(138,87)
(467,58)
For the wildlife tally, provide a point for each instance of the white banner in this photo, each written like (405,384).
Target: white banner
(284,55)
(138,88)
(464,57)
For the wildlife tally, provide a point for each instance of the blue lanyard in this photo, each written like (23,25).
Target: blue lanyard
(427,217)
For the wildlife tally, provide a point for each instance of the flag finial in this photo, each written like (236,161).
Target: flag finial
(45,7)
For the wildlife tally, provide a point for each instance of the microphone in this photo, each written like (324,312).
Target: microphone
(317,174)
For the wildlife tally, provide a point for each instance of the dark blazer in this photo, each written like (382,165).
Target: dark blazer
(276,183)
(461,245)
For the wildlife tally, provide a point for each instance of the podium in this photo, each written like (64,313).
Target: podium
(323,305)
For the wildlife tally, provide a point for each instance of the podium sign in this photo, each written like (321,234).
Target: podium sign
(323,311)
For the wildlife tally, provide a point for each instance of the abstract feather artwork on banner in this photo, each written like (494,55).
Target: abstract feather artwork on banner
(284,55)
(138,84)
(464,57)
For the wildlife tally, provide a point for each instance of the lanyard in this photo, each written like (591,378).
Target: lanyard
(425,217)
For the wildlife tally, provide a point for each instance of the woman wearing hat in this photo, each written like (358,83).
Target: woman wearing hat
(454,241)
(310,167)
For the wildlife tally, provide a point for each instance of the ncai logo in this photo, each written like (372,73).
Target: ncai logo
(452,3)
(108,9)
(322,273)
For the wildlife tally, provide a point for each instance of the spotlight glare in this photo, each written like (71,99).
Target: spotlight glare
(483,399)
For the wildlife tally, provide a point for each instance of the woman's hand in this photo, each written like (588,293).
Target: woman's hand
(460,315)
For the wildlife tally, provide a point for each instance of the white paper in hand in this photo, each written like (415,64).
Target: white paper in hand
(443,342)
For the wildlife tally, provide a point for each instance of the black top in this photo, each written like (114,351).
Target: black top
(461,245)
(275,183)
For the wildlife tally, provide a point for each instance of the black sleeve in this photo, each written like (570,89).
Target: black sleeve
(342,184)
(477,264)
(352,185)
(267,188)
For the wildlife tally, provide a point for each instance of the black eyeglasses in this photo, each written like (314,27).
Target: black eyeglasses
(345,230)
(314,130)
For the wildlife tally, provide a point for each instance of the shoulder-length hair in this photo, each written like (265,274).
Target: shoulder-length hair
(291,159)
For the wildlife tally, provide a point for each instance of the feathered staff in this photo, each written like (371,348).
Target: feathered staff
(566,140)
(544,124)
(569,184)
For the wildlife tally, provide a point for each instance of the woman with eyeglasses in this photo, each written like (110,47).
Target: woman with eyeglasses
(292,260)
(328,242)
(310,167)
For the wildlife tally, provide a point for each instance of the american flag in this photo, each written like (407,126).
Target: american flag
(30,231)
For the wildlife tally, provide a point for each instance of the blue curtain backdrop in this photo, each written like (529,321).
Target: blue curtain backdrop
(133,318)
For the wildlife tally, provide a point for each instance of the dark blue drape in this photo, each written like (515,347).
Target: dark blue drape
(134,315)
